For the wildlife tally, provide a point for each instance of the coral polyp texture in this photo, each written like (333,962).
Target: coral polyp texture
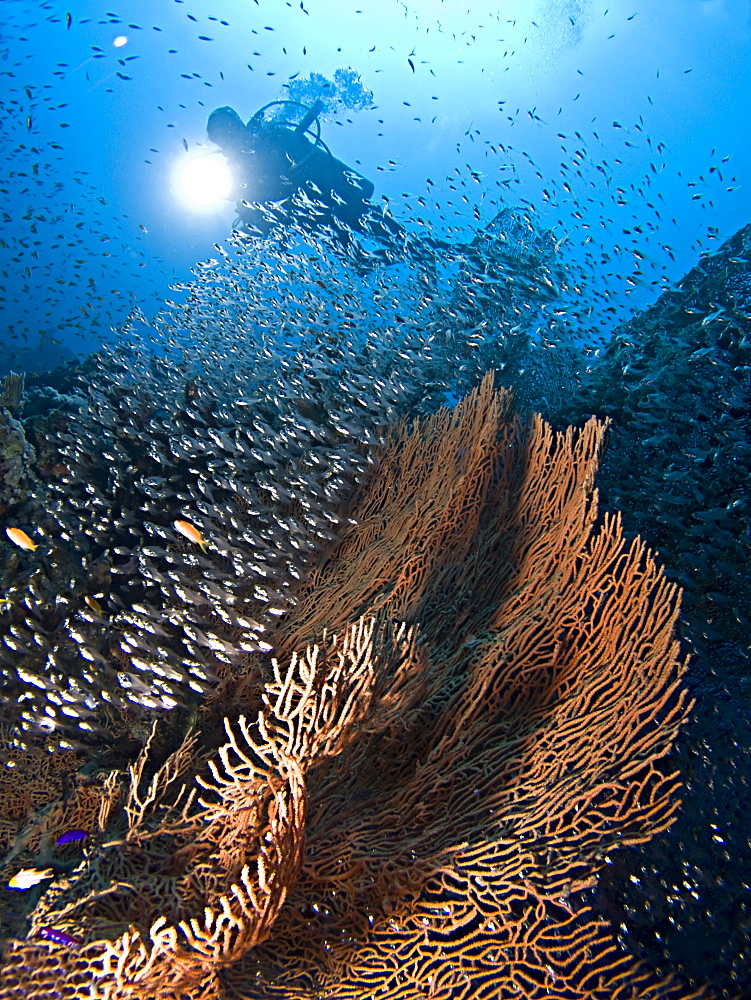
(469,707)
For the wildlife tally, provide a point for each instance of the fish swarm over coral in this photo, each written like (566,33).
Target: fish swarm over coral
(467,711)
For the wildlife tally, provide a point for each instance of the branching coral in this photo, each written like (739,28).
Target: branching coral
(417,808)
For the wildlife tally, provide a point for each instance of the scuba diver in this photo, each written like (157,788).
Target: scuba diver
(283,178)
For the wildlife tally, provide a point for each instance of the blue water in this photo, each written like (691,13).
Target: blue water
(654,102)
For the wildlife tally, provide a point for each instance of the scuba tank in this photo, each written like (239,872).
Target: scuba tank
(317,164)
(310,121)
(310,117)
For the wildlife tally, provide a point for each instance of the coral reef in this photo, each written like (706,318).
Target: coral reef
(469,709)
(675,381)
(17,456)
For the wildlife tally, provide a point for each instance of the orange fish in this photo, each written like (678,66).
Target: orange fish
(191,532)
(21,539)
(94,604)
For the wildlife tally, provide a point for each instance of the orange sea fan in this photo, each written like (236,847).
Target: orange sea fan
(415,812)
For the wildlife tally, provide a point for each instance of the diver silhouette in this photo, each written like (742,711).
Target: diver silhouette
(282,178)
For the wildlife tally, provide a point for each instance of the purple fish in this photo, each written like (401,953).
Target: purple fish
(70,836)
(58,936)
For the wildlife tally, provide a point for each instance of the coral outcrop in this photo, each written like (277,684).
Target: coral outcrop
(17,456)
